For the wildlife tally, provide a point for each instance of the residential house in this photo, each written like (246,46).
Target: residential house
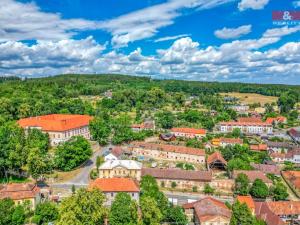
(21,193)
(267,169)
(276,120)
(247,125)
(248,200)
(216,161)
(280,147)
(60,127)
(258,147)
(167,137)
(147,125)
(112,186)
(253,175)
(291,156)
(263,212)
(110,157)
(167,152)
(208,211)
(287,211)
(187,179)
(188,132)
(293,177)
(242,109)
(121,168)
(295,134)
(230,141)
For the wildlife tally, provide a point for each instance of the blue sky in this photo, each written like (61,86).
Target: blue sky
(210,40)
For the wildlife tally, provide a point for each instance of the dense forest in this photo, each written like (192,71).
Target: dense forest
(61,94)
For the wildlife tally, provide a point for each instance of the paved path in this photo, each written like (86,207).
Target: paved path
(82,178)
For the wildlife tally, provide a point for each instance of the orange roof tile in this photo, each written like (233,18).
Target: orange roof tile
(56,122)
(285,207)
(293,177)
(169,148)
(188,130)
(17,191)
(280,119)
(248,200)
(115,185)
(259,147)
(249,120)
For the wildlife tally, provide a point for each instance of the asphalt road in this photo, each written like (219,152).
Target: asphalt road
(82,178)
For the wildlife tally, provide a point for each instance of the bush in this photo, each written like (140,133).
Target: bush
(195,189)
(93,174)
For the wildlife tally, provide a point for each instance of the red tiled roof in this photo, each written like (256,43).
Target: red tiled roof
(178,174)
(209,208)
(117,151)
(235,123)
(272,169)
(263,212)
(252,175)
(278,155)
(248,200)
(56,122)
(214,157)
(280,119)
(293,177)
(115,185)
(295,133)
(249,120)
(169,148)
(19,191)
(188,130)
(285,207)
(231,140)
(259,147)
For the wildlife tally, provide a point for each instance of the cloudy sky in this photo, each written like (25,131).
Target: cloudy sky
(209,40)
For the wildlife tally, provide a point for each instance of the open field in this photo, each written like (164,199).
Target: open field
(250,98)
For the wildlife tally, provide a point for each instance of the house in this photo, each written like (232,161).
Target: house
(60,127)
(112,186)
(108,94)
(216,141)
(208,211)
(293,177)
(291,156)
(279,147)
(167,152)
(187,179)
(21,193)
(239,108)
(295,134)
(188,132)
(117,151)
(147,125)
(251,119)
(230,141)
(121,168)
(276,120)
(267,169)
(253,175)
(251,127)
(248,200)
(258,147)
(263,212)
(184,179)
(287,211)
(216,160)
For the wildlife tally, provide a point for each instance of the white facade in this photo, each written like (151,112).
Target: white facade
(187,135)
(110,157)
(110,197)
(248,129)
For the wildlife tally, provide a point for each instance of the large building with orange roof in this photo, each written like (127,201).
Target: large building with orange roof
(248,200)
(112,186)
(60,127)
(208,211)
(186,132)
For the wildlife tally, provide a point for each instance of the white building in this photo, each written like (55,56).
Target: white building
(186,132)
(247,127)
(59,127)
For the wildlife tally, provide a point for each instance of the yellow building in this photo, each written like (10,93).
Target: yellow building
(120,168)
(21,193)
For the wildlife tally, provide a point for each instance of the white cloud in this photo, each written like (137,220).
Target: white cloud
(168,38)
(252,4)
(26,21)
(296,4)
(230,33)
(240,60)
(144,23)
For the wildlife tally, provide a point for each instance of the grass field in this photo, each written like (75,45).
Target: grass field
(250,98)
